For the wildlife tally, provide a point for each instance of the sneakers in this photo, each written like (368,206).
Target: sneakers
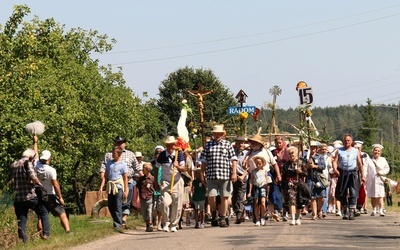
(159,228)
(149,229)
(352,214)
(292,222)
(174,229)
(214,223)
(224,222)
(166,229)
(381,213)
(298,222)
(338,213)
(201,226)
(262,221)
(373,213)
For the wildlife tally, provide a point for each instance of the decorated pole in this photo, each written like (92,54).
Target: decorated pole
(183,138)
(199,93)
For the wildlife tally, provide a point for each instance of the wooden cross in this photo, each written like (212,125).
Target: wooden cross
(199,93)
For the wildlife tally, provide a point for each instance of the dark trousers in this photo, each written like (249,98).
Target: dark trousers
(115,207)
(126,207)
(21,211)
(239,191)
(347,189)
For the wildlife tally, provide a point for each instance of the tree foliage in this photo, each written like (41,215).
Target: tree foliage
(47,74)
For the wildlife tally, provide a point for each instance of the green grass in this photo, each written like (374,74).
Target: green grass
(84,229)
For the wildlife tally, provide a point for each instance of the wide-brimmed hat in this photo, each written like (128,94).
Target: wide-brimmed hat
(218,129)
(257,138)
(138,154)
(45,155)
(264,162)
(337,144)
(120,138)
(170,140)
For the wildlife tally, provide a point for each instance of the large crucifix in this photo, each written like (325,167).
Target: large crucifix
(199,93)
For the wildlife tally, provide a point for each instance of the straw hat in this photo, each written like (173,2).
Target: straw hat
(264,162)
(138,154)
(257,138)
(170,140)
(218,129)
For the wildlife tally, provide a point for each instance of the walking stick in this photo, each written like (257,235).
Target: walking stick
(173,171)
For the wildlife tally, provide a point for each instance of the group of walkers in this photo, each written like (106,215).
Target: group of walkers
(280,182)
(223,179)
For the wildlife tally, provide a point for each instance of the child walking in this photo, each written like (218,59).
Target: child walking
(146,191)
(199,198)
(259,181)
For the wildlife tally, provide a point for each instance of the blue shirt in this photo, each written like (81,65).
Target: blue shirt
(116,170)
(348,159)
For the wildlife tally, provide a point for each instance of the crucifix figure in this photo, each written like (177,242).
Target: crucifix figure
(199,93)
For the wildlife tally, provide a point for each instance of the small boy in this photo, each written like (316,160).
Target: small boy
(146,190)
(199,198)
(259,181)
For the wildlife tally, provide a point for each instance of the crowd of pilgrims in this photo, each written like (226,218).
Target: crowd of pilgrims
(275,182)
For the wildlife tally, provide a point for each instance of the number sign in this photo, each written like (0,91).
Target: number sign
(306,96)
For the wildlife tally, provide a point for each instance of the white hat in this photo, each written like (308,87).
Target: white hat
(377,145)
(170,140)
(218,129)
(315,143)
(338,144)
(29,153)
(138,154)
(45,155)
(330,149)
(359,143)
(159,147)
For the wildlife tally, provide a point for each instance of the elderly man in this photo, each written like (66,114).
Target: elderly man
(219,166)
(239,187)
(24,179)
(129,158)
(345,165)
(172,163)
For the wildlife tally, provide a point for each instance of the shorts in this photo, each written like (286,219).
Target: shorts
(260,192)
(221,187)
(199,205)
(156,203)
(53,205)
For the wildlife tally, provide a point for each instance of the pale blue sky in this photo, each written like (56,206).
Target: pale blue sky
(347,51)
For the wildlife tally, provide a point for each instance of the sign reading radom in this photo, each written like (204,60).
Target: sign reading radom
(235,110)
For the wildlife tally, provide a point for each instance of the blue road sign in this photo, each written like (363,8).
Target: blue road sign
(235,110)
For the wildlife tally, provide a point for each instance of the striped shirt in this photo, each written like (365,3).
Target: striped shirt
(218,156)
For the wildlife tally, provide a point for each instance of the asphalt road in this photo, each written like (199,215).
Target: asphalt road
(366,232)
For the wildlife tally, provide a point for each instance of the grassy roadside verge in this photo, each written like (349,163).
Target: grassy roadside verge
(84,229)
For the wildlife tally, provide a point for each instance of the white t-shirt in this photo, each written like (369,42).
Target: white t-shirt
(46,174)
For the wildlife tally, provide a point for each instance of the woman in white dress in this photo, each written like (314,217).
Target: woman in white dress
(378,168)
